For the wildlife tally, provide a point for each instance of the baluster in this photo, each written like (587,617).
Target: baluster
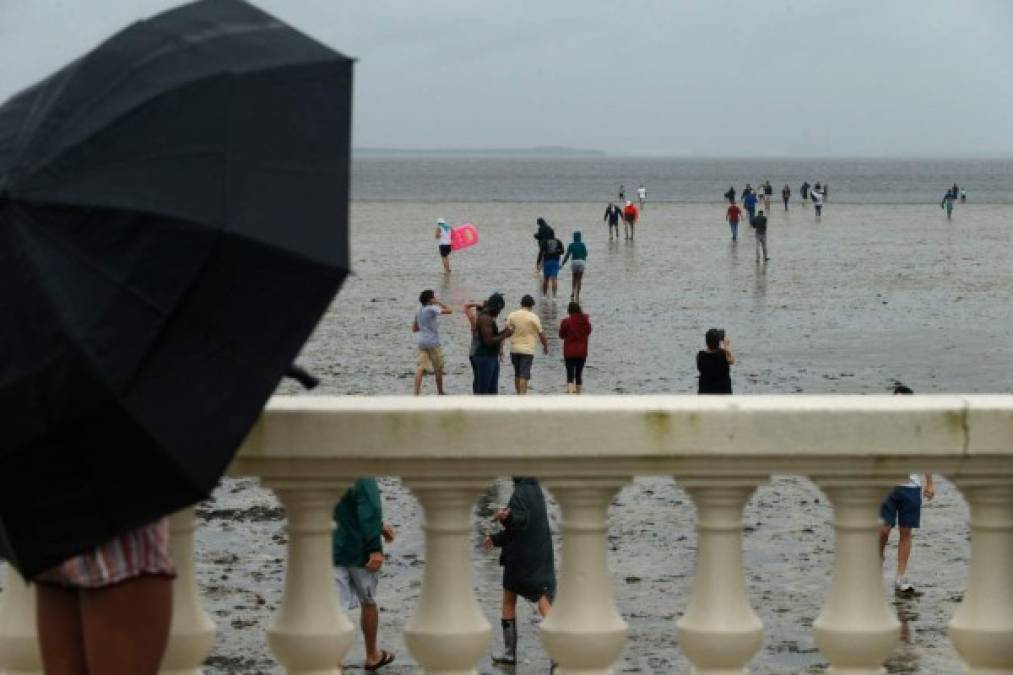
(19,642)
(192,635)
(310,634)
(857,630)
(720,632)
(584,632)
(449,633)
(982,627)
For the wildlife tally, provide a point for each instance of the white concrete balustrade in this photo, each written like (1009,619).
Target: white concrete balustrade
(719,448)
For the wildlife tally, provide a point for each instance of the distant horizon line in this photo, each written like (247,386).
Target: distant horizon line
(564,151)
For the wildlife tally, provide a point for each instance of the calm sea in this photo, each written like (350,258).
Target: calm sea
(597,179)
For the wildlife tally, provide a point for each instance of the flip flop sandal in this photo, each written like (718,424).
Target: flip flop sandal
(386,658)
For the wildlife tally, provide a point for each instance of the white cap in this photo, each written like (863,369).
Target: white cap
(441,221)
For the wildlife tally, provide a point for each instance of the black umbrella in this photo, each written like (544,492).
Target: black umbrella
(173,224)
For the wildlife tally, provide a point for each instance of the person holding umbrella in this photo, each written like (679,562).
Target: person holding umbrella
(168,246)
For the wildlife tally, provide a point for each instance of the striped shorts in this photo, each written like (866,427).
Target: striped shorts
(141,552)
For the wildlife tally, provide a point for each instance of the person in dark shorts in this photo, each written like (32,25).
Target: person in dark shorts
(443,234)
(612,215)
(529,569)
(714,363)
(574,331)
(549,253)
(903,509)
(526,330)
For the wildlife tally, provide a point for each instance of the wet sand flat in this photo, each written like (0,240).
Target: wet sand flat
(869,295)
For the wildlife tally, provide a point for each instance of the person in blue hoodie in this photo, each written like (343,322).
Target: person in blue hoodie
(357,553)
(750,201)
(577,250)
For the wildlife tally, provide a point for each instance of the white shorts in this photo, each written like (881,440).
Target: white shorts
(356,586)
(578,265)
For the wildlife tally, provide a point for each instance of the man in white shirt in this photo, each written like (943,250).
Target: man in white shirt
(443,231)
(903,508)
(642,195)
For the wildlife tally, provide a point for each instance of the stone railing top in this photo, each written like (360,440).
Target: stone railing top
(558,435)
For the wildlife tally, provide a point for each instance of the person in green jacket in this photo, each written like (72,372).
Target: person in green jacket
(358,556)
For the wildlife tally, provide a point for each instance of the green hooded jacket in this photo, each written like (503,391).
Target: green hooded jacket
(359,517)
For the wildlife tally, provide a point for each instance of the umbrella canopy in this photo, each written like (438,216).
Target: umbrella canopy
(173,224)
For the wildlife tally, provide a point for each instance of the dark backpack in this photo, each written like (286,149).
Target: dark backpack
(554,247)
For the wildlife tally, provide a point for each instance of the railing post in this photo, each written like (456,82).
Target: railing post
(584,632)
(192,635)
(982,627)
(448,634)
(19,641)
(720,632)
(857,630)
(310,634)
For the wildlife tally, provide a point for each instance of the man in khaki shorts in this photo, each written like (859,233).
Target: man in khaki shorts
(430,356)
(527,328)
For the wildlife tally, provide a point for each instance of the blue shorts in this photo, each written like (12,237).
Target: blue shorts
(550,269)
(903,507)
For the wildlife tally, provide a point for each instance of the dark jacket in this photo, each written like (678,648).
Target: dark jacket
(526,541)
(359,517)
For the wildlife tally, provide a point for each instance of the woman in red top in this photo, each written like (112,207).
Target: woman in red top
(574,330)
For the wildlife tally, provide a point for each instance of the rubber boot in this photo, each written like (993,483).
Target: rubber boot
(509,655)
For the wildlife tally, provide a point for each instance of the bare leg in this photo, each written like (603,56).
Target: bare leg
(555,286)
(446,263)
(418,382)
(545,285)
(884,537)
(126,626)
(544,605)
(509,606)
(517,385)
(522,385)
(903,550)
(369,621)
(61,637)
(439,382)
(578,282)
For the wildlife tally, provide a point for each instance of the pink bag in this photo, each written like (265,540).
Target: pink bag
(463,236)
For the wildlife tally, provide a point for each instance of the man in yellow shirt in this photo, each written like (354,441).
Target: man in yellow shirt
(526,328)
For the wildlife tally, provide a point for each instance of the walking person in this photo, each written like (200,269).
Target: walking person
(817,197)
(804,192)
(542,234)
(622,193)
(730,195)
(902,509)
(750,202)
(714,364)
(733,215)
(357,553)
(578,251)
(963,196)
(525,327)
(746,191)
(429,357)
(549,253)
(786,195)
(612,215)
(527,559)
(489,347)
(949,200)
(768,192)
(642,195)
(443,232)
(630,216)
(760,230)
(574,331)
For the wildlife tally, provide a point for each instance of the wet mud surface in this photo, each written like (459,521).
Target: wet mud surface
(867,297)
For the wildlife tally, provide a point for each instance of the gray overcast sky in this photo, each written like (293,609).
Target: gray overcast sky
(705,78)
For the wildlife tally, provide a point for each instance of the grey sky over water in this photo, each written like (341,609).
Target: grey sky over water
(706,78)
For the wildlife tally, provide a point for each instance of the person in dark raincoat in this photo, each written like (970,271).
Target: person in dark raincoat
(529,569)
